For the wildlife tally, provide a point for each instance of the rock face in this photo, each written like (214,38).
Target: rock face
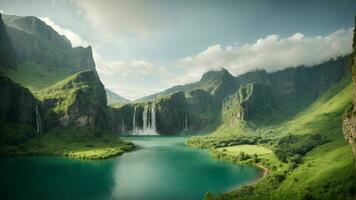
(280,94)
(349,121)
(248,103)
(17,104)
(171,112)
(7,53)
(202,109)
(78,101)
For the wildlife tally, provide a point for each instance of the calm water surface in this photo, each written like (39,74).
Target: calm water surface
(161,168)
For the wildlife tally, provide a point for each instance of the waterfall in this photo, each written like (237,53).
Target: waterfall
(153,118)
(38,121)
(144,118)
(185,122)
(134,122)
(148,119)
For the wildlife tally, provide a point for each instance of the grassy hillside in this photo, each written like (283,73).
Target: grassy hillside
(84,143)
(36,76)
(317,162)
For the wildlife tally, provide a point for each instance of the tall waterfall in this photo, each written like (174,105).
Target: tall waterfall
(153,117)
(144,118)
(134,122)
(38,121)
(185,122)
(148,121)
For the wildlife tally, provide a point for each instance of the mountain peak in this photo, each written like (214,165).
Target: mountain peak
(35,26)
(221,74)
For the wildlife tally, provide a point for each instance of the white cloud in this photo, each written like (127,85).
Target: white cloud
(271,53)
(132,79)
(117,17)
(74,38)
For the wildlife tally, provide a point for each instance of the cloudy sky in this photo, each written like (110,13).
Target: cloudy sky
(143,47)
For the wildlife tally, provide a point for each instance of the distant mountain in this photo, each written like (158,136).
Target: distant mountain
(218,83)
(43,57)
(254,95)
(115,99)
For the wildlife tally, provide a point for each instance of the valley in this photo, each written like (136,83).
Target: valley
(285,134)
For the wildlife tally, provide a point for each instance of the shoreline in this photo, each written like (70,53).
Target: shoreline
(257,165)
(264,175)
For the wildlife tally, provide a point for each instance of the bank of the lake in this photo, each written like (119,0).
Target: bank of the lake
(84,143)
(159,168)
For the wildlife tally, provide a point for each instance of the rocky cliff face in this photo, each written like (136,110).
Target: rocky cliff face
(203,109)
(17,104)
(349,121)
(171,112)
(78,101)
(7,53)
(280,94)
(249,103)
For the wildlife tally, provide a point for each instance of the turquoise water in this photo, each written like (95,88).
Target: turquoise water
(161,168)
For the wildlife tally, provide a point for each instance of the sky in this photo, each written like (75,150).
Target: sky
(141,47)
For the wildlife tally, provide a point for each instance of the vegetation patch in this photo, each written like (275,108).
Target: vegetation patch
(83,143)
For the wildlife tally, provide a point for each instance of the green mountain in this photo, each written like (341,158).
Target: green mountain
(77,101)
(219,98)
(314,162)
(43,57)
(115,99)
(66,112)
(218,83)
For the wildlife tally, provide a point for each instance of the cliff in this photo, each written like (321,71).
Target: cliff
(7,53)
(77,101)
(349,121)
(17,104)
(250,103)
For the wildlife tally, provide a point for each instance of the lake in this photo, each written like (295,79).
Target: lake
(160,168)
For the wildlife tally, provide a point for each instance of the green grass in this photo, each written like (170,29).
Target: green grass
(78,144)
(266,157)
(328,172)
(36,76)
